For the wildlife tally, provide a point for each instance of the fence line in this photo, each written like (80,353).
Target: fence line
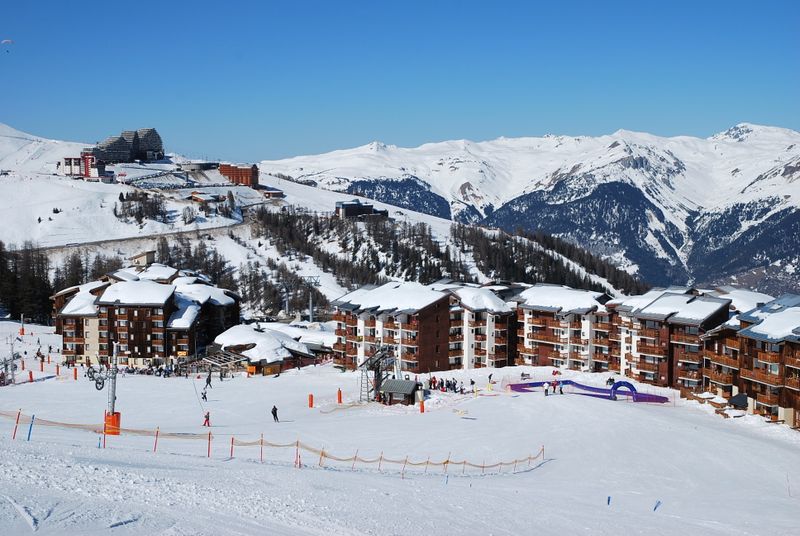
(322,453)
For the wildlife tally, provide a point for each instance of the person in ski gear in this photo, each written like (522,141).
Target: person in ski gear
(208,380)
(275,413)
(207,420)
(545,385)
(204,396)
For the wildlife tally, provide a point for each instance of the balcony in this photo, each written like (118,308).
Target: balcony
(652,350)
(602,358)
(477,323)
(500,340)
(767,399)
(411,326)
(723,378)
(575,325)
(480,337)
(649,333)
(458,352)
(521,333)
(732,342)
(389,340)
(768,357)
(793,382)
(689,374)
(601,341)
(613,366)
(603,326)
(688,357)
(408,356)
(523,350)
(761,377)
(369,323)
(458,337)
(338,347)
(389,324)
(339,317)
(685,338)
(577,356)
(720,359)
(649,367)
(341,332)
(76,340)
(370,338)
(791,361)
(544,336)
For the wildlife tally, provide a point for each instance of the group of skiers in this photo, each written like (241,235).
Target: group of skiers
(555,384)
(448,386)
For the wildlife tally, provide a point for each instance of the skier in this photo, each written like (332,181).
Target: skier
(208,380)
(545,385)
(207,421)
(275,413)
(490,378)
(204,396)
(560,388)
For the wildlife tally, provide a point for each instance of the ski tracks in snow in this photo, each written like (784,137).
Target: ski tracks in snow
(25,513)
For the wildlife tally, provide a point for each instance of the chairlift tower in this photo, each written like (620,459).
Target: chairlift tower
(108,374)
(312,281)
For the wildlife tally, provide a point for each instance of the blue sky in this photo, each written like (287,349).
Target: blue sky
(260,80)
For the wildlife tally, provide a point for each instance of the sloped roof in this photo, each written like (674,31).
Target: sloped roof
(399,387)
(682,308)
(137,293)
(481,299)
(265,345)
(400,296)
(561,299)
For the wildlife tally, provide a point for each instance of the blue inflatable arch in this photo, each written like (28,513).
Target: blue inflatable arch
(618,385)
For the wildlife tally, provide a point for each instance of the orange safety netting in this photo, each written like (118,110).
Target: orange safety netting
(298,445)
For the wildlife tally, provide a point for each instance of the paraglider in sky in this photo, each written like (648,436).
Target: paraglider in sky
(6,43)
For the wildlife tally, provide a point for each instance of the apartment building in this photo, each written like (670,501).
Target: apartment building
(563,327)
(665,337)
(481,326)
(769,359)
(156,314)
(410,319)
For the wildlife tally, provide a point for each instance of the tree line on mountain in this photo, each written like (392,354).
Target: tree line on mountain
(25,287)
(141,206)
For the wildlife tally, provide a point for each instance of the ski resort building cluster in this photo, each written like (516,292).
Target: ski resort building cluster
(728,341)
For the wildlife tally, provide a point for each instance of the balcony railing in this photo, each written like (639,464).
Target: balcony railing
(723,378)
(689,374)
(455,338)
(389,324)
(500,340)
(339,317)
(341,333)
(603,326)
(721,359)
(369,323)
(768,399)
(544,336)
(408,341)
(642,365)
(688,357)
(480,337)
(768,357)
(370,338)
(651,350)
(338,347)
(602,341)
(793,382)
(685,338)
(650,333)
(411,326)
(458,352)
(791,361)
(732,342)
(389,340)
(761,376)
(603,358)
(477,323)
(523,350)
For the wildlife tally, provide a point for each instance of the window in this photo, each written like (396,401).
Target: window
(122,311)
(123,335)
(136,312)
(103,334)
(85,321)
(122,323)
(88,347)
(104,309)
(158,323)
(122,347)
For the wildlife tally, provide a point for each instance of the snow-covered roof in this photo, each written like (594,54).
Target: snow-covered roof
(741,299)
(84,302)
(186,313)
(400,296)
(562,299)
(632,303)
(155,271)
(682,308)
(137,293)
(314,334)
(202,293)
(267,345)
(783,325)
(184,280)
(481,299)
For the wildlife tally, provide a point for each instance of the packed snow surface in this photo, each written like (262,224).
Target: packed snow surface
(609,467)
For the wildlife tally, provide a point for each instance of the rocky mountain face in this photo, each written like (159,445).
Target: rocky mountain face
(724,209)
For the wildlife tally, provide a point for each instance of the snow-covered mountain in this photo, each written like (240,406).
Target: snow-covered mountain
(670,209)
